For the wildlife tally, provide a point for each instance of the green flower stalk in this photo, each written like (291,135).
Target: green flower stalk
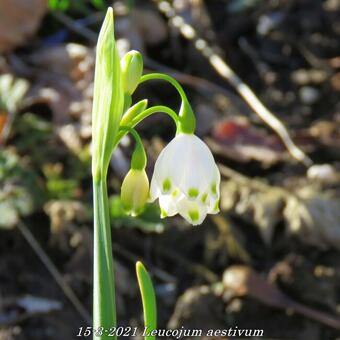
(187,121)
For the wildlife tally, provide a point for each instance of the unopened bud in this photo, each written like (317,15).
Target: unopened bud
(132,69)
(135,191)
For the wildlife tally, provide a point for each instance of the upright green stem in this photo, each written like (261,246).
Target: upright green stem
(104,306)
(138,159)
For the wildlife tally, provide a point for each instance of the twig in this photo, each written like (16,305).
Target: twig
(161,274)
(173,256)
(74,26)
(235,249)
(193,267)
(198,83)
(54,272)
(205,87)
(223,69)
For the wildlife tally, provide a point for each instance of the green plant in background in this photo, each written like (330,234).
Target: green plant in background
(21,192)
(63,5)
(186,179)
(12,92)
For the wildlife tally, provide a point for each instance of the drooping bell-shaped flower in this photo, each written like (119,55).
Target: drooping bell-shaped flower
(186,179)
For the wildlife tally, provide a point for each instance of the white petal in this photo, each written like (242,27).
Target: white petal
(214,187)
(154,190)
(214,194)
(168,205)
(176,158)
(198,168)
(214,206)
(165,167)
(193,211)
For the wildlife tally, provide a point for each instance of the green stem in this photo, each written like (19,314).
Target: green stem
(187,120)
(104,306)
(146,113)
(138,159)
(133,132)
(172,81)
(154,109)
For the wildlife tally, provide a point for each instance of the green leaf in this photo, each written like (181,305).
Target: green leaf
(98,3)
(148,298)
(59,5)
(31,133)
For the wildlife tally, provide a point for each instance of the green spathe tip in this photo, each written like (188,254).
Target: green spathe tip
(108,98)
(105,38)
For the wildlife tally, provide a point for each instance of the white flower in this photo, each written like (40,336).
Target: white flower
(186,179)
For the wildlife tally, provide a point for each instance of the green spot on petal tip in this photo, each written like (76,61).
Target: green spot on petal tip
(163,213)
(194,215)
(216,206)
(193,193)
(174,193)
(204,198)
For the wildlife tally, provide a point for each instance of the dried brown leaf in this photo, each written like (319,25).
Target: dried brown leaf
(243,281)
(239,140)
(310,213)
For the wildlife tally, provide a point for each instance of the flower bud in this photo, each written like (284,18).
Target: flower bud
(135,191)
(133,111)
(132,69)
